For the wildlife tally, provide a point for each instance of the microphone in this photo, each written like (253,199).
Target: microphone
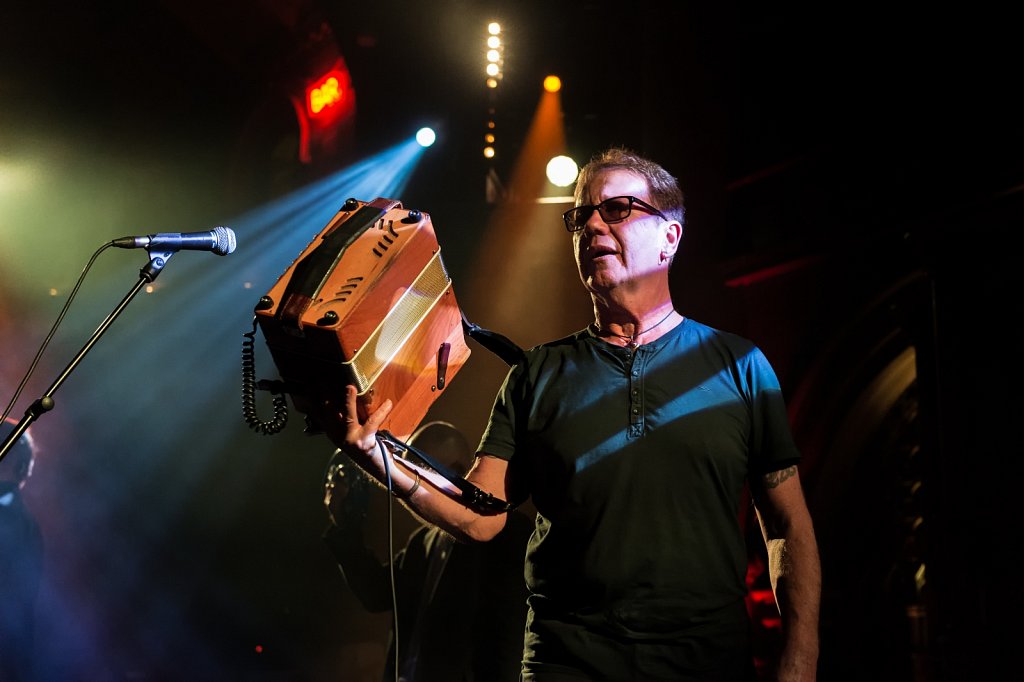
(220,240)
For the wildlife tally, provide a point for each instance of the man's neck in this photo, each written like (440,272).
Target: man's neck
(637,323)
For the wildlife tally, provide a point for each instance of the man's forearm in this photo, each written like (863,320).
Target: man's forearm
(796,579)
(434,498)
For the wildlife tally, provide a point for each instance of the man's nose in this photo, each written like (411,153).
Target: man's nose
(595,224)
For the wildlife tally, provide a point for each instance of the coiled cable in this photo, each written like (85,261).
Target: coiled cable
(275,425)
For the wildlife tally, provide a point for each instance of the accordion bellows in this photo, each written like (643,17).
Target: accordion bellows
(367,303)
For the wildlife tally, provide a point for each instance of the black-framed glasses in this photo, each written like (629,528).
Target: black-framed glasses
(612,210)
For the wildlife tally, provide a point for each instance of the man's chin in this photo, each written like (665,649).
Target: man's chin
(597,283)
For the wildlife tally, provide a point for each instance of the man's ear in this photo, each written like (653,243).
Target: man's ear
(673,235)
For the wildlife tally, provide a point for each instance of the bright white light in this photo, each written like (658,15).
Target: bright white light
(562,171)
(494,42)
(493,56)
(425,136)
(492,69)
(494,28)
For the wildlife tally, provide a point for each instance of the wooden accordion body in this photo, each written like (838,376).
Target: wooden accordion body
(367,303)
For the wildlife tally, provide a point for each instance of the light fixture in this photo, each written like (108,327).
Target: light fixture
(562,171)
(552,83)
(425,137)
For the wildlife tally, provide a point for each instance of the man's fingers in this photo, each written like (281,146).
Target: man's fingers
(378,416)
(351,411)
(360,438)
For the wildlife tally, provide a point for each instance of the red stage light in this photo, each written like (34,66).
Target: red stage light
(324,94)
(325,109)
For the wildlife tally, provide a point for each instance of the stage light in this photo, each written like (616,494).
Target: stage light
(495,51)
(324,107)
(326,92)
(425,137)
(495,54)
(552,83)
(562,171)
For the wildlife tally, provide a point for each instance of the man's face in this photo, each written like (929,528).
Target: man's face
(623,253)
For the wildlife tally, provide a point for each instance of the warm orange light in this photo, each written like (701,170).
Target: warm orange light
(488,138)
(492,82)
(552,83)
(488,152)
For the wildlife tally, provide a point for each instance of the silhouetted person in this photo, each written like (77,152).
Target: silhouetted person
(461,607)
(21,560)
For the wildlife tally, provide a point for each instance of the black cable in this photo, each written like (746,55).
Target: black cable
(391,554)
(249,386)
(53,330)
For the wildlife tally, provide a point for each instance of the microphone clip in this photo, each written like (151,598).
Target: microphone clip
(158,258)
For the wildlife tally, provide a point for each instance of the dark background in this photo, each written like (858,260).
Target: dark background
(854,179)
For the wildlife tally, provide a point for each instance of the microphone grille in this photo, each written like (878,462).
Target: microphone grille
(225,240)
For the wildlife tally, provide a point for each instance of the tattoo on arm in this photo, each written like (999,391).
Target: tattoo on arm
(775,478)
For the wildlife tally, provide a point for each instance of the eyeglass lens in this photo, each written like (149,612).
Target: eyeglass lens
(611,210)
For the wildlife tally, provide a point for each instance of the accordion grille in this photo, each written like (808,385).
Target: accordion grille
(399,323)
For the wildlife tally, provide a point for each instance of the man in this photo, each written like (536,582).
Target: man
(461,607)
(635,438)
(21,559)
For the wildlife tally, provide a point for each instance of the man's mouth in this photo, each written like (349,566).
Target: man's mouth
(596,251)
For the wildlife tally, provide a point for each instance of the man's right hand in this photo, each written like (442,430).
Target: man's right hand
(341,424)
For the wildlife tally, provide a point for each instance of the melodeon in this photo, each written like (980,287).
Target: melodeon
(367,303)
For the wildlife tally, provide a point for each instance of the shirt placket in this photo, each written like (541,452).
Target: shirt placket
(635,360)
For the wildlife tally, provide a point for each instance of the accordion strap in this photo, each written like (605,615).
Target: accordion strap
(472,496)
(498,344)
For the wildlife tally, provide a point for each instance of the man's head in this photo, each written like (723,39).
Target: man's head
(444,443)
(16,466)
(662,188)
(627,223)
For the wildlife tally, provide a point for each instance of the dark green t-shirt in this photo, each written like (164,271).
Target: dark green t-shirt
(635,461)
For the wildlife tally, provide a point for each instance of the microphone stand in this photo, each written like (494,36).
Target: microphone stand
(158,259)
